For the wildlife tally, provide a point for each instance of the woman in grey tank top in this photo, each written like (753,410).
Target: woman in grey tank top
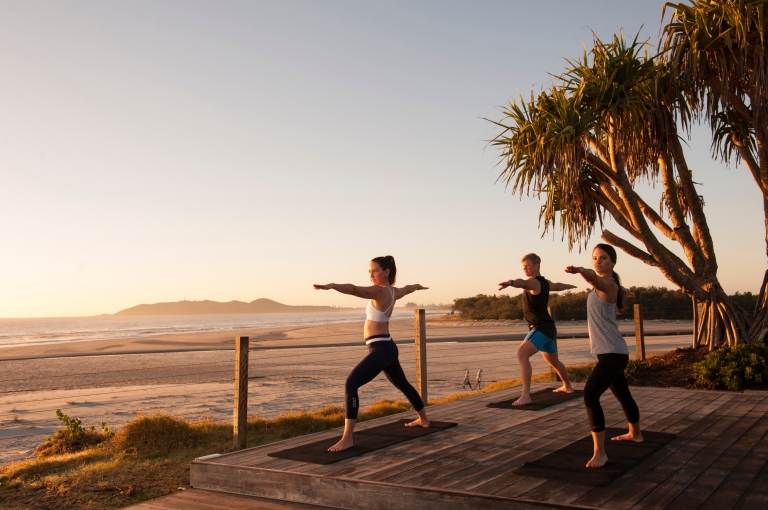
(603,305)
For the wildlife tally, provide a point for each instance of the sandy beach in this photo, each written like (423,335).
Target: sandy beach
(291,368)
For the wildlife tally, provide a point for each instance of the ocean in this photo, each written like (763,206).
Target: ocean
(15,332)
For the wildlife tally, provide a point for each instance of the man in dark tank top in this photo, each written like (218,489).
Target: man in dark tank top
(543,332)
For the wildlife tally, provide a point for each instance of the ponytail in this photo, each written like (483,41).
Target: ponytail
(611,251)
(387,262)
(619,294)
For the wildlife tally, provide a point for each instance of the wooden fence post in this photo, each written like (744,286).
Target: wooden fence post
(552,372)
(240,417)
(420,347)
(639,334)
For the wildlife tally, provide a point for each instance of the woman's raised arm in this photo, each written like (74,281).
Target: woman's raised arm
(372,292)
(404,291)
(605,285)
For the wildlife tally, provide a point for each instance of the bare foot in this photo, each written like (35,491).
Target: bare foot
(522,401)
(342,445)
(418,422)
(635,438)
(563,389)
(598,460)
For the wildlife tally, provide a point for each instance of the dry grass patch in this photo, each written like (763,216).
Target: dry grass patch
(149,457)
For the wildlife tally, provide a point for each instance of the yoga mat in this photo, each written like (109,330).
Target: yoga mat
(365,441)
(568,463)
(541,400)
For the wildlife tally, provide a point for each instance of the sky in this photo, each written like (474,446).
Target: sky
(160,151)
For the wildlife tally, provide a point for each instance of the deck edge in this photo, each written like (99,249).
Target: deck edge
(349,493)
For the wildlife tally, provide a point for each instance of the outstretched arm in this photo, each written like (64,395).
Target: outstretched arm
(557,287)
(373,292)
(605,285)
(404,291)
(528,284)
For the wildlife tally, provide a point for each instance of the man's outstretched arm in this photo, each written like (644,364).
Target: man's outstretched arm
(557,287)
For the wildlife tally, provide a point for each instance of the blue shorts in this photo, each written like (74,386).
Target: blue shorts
(541,341)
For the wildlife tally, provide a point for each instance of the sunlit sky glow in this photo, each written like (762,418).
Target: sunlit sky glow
(157,151)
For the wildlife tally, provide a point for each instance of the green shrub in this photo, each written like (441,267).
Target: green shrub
(734,368)
(72,438)
(634,367)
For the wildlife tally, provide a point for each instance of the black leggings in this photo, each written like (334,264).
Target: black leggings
(382,356)
(609,373)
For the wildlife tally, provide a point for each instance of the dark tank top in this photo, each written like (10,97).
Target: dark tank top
(535,310)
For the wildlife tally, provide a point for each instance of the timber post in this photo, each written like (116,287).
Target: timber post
(420,348)
(240,415)
(639,334)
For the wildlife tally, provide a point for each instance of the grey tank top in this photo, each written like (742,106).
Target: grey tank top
(604,335)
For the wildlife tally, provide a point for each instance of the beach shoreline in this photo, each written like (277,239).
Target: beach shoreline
(308,336)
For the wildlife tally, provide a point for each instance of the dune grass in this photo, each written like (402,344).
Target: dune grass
(147,458)
(150,455)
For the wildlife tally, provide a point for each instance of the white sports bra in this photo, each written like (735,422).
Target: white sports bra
(372,314)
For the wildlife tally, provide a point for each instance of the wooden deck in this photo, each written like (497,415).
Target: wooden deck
(718,460)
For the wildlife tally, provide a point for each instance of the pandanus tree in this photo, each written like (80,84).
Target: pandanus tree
(717,53)
(608,124)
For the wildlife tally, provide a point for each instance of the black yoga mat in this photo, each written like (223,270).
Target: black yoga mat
(365,441)
(541,400)
(568,463)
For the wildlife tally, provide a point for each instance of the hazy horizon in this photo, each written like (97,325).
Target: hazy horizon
(184,149)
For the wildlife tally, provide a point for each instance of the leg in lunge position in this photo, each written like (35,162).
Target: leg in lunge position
(394,374)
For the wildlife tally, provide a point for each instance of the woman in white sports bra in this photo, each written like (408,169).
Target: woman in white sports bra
(382,351)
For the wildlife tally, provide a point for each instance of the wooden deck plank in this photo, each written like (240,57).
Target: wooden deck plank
(694,417)
(527,484)
(714,475)
(492,439)
(211,500)
(259,460)
(655,416)
(740,486)
(664,493)
(466,432)
(517,485)
(731,413)
(492,434)
(757,494)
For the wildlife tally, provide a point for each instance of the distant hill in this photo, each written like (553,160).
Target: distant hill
(207,307)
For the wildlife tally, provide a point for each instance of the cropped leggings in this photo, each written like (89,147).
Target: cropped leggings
(609,373)
(382,357)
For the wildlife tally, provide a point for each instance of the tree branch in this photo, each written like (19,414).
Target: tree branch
(749,160)
(628,248)
(657,220)
(694,204)
(684,237)
(602,167)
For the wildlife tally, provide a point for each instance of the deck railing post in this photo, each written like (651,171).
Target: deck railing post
(240,417)
(639,334)
(420,347)
(552,372)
